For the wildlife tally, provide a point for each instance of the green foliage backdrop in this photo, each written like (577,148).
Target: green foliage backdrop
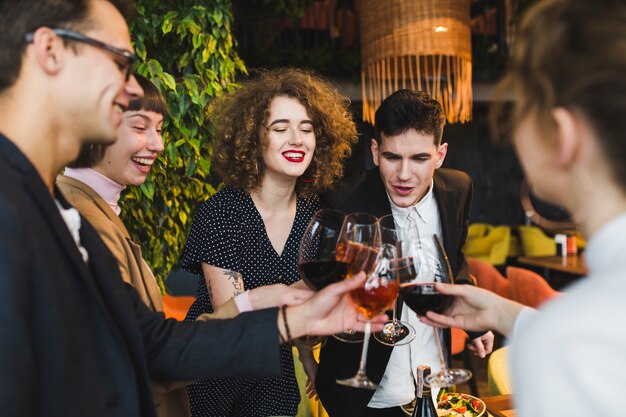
(186,48)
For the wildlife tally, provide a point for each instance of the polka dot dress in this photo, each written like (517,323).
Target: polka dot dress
(228,232)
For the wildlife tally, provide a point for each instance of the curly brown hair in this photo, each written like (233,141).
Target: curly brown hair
(239,117)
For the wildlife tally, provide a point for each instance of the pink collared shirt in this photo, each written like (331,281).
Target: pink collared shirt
(106,188)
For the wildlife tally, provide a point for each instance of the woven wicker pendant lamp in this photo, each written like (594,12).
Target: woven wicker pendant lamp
(417,44)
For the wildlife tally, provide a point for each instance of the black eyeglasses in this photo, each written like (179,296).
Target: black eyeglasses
(129,57)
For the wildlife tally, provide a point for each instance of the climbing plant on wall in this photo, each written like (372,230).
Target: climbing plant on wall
(186,48)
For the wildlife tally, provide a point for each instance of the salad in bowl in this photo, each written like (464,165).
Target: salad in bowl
(454,404)
(457,404)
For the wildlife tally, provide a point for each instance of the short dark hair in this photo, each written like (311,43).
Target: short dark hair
(152,100)
(19,17)
(408,109)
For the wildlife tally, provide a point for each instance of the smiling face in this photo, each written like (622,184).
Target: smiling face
(288,139)
(407,163)
(139,143)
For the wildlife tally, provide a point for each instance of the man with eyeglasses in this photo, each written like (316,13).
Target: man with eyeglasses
(75,340)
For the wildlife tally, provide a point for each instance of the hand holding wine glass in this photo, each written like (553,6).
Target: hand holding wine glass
(474,309)
(317,260)
(376,295)
(397,332)
(420,293)
(357,246)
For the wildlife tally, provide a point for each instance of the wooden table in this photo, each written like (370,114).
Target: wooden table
(499,406)
(574,264)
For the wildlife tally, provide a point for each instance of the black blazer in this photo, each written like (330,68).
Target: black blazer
(453,192)
(74,339)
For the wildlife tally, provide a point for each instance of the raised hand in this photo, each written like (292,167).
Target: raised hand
(330,311)
(475,309)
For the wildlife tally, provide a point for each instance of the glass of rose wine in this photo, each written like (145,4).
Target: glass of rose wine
(420,294)
(357,246)
(317,256)
(397,332)
(377,294)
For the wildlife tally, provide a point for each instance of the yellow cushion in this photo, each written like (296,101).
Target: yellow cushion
(535,242)
(498,372)
(492,248)
(475,230)
(482,246)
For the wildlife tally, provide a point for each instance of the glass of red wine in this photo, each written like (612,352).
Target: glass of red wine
(357,246)
(397,332)
(431,265)
(377,294)
(317,260)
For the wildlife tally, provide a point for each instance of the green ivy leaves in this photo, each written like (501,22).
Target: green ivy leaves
(186,48)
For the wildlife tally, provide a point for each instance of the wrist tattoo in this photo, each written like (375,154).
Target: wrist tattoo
(236,280)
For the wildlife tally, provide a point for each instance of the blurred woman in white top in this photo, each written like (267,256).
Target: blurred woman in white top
(567,78)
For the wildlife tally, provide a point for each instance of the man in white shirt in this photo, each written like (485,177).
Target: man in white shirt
(407,183)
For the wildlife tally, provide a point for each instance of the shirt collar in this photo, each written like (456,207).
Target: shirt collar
(604,250)
(419,209)
(105,187)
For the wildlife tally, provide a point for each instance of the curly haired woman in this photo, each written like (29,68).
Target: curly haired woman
(278,141)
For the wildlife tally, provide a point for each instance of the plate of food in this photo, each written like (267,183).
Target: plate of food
(454,404)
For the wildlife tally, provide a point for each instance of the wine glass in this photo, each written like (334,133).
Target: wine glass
(358,244)
(317,261)
(376,295)
(397,332)
(419,293)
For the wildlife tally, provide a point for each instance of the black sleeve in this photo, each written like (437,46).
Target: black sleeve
(244,346)
(462,268)
(18,382)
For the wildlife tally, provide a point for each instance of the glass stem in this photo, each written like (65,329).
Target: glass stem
(440,351)
(366,342)
(393,316)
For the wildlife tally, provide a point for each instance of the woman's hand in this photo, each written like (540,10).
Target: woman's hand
(275,295)
(475,309)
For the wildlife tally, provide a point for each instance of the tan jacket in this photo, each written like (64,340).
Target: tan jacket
(170,398)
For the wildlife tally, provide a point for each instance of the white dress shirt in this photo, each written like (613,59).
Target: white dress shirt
(570,358)
(71,217)
(397,387)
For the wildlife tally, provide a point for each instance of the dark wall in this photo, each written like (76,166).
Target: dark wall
(494,169)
